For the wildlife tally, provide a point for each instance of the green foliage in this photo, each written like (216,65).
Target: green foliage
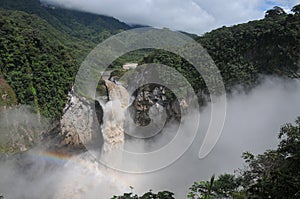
(37,61)
(7,95)
(148,195)
(296,9)
(275,174)
(226,186)
(275,12)
(131,57)
(117,74)
(181,66)
(243,52)
(86,26)
(101,88)
(202,189)
(41,49)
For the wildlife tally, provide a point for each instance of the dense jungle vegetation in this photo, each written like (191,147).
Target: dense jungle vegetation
(42,47)
(245,52)
(41,50)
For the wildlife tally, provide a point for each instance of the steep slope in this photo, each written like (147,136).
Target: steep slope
(78,24)
(269,46)
(38,61)
(41,52)
(245,52)
(41,49)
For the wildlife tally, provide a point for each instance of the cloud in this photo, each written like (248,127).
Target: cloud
(37,174)
(283,3)
(231,12)
(194,16)
(252,124)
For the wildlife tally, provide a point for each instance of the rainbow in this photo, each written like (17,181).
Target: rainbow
(89,165)
(52,157)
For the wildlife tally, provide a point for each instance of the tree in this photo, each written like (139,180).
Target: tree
(148,195)
(275,11)
(203,189)
(226,186)
(275,174)
(296,9)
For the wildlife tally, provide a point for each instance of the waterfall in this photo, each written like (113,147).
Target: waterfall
(114,117)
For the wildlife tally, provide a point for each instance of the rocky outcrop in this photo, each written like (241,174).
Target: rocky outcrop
(77,121)
(79,124)
(147,97)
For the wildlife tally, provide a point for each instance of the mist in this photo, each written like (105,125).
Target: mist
(252,124)
(253,121)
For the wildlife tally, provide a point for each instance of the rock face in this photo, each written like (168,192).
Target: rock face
(77,121)
(147,97)
(151,95)
(79,124)
(85,121)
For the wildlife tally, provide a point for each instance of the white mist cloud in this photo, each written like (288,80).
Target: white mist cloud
(38,175)
(252,124)
(194,16)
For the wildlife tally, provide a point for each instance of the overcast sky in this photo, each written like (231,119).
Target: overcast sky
(194,16)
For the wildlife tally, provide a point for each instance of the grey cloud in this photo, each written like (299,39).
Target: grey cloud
(193,16)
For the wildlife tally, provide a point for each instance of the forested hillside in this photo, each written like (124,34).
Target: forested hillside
(42,47)
(38,61)
(81,25)
(245,52)
(270,46)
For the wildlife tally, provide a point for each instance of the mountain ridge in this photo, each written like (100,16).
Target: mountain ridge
(70,21)
(39,60)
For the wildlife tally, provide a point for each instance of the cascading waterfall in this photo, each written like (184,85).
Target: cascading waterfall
(114,117)
(84,176)
(81,175)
